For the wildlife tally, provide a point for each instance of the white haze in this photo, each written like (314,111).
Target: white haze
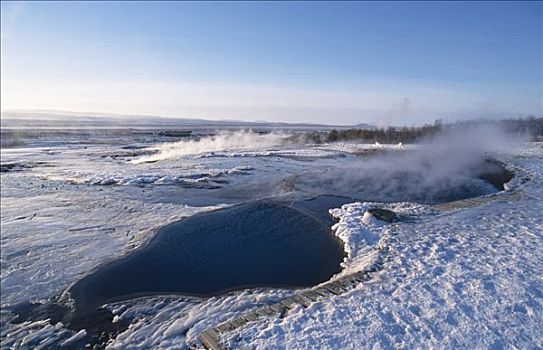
(443,168)
(223,141)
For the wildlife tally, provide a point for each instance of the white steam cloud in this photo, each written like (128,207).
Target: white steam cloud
(223,141)
(447,167)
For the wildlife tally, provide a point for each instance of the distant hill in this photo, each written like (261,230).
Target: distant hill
(53,119)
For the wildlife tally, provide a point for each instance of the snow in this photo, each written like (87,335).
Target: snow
(175,322)
(190,177)
(467,278)
(35,335)
(360,147)
(74,338)
(362,234)
(75,206)
(316,152)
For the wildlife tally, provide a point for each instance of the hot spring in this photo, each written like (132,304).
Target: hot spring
(259,244)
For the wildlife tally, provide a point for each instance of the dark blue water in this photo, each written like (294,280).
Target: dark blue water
(260,244)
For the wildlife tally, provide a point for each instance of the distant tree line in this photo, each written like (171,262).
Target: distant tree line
(531,127)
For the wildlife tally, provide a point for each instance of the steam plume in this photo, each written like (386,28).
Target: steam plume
(224,141)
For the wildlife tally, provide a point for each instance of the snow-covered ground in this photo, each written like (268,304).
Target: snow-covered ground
(470,278)
(465,278)
(69,207)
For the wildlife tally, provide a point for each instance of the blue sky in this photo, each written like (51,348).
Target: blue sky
(326,62)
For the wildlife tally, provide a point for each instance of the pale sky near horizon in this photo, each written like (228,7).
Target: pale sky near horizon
(321,62)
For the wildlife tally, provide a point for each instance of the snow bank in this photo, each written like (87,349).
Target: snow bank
(176,322)
(186,178)
(362,233)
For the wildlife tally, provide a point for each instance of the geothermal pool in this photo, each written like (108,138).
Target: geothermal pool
(260,244)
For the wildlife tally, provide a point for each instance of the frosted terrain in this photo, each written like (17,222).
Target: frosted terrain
(468,278)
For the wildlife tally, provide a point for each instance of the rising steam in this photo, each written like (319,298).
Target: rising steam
(444,168)
(223,141)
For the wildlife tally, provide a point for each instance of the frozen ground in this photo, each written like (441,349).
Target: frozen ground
(68,207)
(466,278)
(469,278)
